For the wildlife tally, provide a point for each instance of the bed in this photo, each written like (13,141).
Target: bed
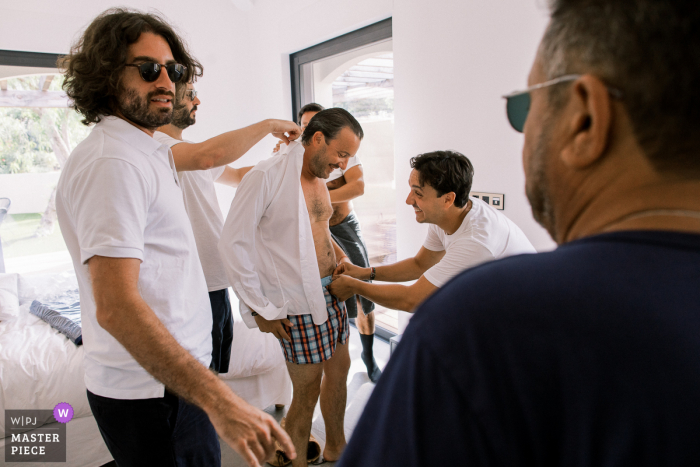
(39,367)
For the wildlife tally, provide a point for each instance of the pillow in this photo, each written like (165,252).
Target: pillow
(62,314)
(46,286)
(9,300)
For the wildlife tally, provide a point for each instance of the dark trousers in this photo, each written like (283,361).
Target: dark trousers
(348,236)
(221,331)
(165,431)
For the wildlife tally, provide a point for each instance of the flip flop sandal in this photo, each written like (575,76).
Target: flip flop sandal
(279,458)
(313,453)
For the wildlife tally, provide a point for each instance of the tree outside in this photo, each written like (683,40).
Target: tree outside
(38,139)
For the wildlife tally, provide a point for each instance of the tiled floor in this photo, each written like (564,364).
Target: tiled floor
(359,390)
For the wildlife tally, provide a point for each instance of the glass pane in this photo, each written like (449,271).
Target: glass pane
(362,82)
(38,131)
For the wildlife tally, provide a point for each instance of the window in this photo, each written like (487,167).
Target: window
(356,72)
(38,131)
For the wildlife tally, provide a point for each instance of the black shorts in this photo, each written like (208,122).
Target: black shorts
(221,331)
(348,237)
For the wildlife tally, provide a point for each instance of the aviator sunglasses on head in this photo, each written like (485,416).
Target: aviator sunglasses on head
(518,102)
(150,71)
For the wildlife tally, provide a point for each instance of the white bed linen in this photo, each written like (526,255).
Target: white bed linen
(39,367)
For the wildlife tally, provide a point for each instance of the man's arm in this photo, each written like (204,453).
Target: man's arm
(409,269)
(123,313)
(232,177)
(395,296)
(354,186)
(228,147)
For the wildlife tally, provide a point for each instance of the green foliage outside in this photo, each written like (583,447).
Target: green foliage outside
(25,132)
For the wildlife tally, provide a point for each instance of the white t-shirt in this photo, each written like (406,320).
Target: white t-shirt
(205,215)
(119,196)
(485,235)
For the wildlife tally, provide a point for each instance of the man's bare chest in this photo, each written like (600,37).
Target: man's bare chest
(318,201)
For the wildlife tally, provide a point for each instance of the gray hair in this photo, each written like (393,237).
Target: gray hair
(649,49)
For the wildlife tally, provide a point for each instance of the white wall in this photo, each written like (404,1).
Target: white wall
(452,63)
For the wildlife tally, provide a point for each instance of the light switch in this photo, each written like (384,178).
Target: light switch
(495,200)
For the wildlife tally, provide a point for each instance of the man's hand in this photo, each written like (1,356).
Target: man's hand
(251,433)
(342,287)
(349,269)
(285,130)
(275,327)
(277,148)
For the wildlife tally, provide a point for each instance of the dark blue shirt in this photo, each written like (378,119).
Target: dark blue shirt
(585,356)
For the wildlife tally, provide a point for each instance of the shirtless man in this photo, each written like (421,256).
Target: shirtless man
(346,184)
(279,257)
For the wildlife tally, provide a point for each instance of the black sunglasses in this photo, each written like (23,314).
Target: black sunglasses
(518,102)
(150,71)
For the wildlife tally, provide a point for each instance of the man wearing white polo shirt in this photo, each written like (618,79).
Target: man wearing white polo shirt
(203,210)
(145,311)
(463,233)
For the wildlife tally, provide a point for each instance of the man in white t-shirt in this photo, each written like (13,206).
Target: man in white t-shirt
(464,233)
(207,221)
(345,185)
(145,312)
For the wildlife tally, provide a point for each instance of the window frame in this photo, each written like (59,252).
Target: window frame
(376,32)
(29,59)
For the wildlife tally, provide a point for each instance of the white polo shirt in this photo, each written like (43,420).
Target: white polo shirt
(202,207)
(119,196)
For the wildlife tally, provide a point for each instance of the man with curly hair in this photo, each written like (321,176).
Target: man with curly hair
(463,233)
(145,310)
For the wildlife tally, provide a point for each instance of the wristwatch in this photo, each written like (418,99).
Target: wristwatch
(372,274)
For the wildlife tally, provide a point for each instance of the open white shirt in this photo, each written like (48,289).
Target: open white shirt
(485,235)
(119,196)
(202,207)
(267,245)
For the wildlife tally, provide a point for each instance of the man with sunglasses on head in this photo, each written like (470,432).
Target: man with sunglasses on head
(203,210)
(589,354)
(146,316)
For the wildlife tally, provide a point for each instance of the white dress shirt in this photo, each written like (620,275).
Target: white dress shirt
(267,245)
(119,196)
(203,209)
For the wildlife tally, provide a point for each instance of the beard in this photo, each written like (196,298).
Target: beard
(319,165)
(136,109)
(537,183)
(183,118)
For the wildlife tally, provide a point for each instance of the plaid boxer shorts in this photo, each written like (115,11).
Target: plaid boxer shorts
(316,344)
